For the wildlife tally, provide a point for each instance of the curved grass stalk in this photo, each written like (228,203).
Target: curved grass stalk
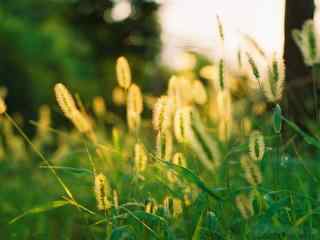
(66,189)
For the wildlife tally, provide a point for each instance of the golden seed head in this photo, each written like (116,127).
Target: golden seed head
(150,101)
(164,145)
(99,106)
(244,204)
(151,207)
(81,122)
(135,99)
(180,91)
(182,124)
(174,91)
(251,170)
(101,190)
(119,96)
(44,120)
(256,146)
(209,72)
(168,145)
(259,108)
(123,72)
(307,39)
(166,203)
(179,160)
(140,158)
(3,106)
(224,130)
(162,114)
(68,106)
(177,207)
(133,120)
(246,126)
(224,105)
(65,100)
(199,93)
(173,205)
(159,145)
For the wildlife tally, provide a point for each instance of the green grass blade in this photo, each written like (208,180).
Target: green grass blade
(308,139)
(197,231)
(71,170)
(41,209)
(191,177)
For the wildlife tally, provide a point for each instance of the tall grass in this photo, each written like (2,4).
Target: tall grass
(217,160)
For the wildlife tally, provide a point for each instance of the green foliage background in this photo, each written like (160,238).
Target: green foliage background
(75,42)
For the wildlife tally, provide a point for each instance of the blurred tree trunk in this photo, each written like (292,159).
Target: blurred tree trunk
(297,11)
(299,86)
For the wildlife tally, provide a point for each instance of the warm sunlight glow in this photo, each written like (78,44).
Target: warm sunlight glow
(121,10)
(192,25)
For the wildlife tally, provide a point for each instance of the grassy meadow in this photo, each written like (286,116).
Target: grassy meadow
(214,157)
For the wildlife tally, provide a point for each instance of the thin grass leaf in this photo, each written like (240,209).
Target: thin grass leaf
(41,209)
(141,222)
(79,206)
(27,139)
(197,231)
(191,177)
(304,218)
(70,169)
(121,233)
(307,138)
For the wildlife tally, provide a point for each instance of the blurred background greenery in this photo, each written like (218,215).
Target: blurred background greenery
(75,42)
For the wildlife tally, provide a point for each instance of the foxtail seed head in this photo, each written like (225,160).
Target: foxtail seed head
(123,72)
(44,120)
(174,91)
(135,99)
(151,206)
(224,130)
(174,206)
(182,124)
(164,145)
(177,207)
(224,105)
(178,159)
(256,146)
(244,205)
(140,158)
(246,126)
(273,86)
(134,121)
(180,91)
(3,106)
(162,114)
(101,191)
(99,106)
(220,28)
(65,100)
(119,96)
(251,170)
(306,39)
(199,93)
(81,122)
